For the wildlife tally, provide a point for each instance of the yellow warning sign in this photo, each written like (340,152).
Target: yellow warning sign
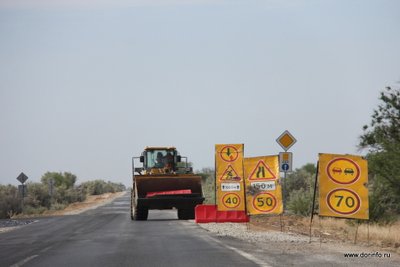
(343,188)
(263,189)
(229,177)
(262,172)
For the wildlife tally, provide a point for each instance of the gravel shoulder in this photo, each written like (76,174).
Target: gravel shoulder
(293,246)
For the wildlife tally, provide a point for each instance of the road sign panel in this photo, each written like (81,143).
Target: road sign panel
(264,202)
(286,140)
(343,201)
(229,153)
(231,200)
(343,191)
(343,171)
(229,177)
(22,178)
(264,186)
(22,190)
(230,187)
(261,172)
(285,161)
(263,190)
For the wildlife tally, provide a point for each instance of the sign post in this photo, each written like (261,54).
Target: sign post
(22,190)
(286,140)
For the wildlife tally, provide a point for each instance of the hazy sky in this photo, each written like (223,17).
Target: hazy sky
(86,85)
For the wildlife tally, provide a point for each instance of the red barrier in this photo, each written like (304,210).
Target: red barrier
(209,213)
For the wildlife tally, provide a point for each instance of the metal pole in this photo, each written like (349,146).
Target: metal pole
(313,203)
(285,190)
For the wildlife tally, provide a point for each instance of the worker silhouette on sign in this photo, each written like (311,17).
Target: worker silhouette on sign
(230,175)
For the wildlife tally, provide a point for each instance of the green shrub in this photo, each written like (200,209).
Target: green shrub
(208,184)
(300,202)
(29,210)
(9,202)
(57,206)
(98,187)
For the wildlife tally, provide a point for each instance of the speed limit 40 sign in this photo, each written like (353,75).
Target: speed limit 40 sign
(343,188)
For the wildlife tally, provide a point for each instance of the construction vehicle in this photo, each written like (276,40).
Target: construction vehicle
(164,182)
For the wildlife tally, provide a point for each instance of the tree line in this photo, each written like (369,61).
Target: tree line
(55,191)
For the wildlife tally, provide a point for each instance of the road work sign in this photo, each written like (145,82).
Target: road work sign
(229,177)
(263,190)
(343,190)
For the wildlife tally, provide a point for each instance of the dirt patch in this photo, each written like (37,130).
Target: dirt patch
(91,202)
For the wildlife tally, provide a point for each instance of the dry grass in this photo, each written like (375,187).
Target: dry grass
(91,202)
(342,230)
(370,234)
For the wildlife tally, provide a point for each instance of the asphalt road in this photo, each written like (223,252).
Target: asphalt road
(107,237)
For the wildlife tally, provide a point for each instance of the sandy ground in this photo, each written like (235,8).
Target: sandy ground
(91,202)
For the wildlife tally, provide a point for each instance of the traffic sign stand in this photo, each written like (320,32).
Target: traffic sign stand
(313,203)
(22,188)
(286,140)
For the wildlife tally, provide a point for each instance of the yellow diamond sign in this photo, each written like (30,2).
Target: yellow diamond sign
(286,140)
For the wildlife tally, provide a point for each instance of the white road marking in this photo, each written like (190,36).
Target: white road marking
(244,254)
(20,263)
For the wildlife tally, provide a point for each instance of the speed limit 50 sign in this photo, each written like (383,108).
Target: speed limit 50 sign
(263,189)
(343,188)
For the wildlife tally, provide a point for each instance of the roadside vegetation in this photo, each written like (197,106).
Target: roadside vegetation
(55,191)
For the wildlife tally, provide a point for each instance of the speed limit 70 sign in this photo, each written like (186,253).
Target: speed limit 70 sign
(343,186)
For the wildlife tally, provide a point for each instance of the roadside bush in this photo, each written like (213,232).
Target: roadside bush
(38,195)
(300,202)
(382,206)
(30,210)
(65,180)
(64,192)
(57,206)
(208,184)
(9,202)
(68,196)
(98,187)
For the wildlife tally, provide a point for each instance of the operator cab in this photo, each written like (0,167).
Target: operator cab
(160,159)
